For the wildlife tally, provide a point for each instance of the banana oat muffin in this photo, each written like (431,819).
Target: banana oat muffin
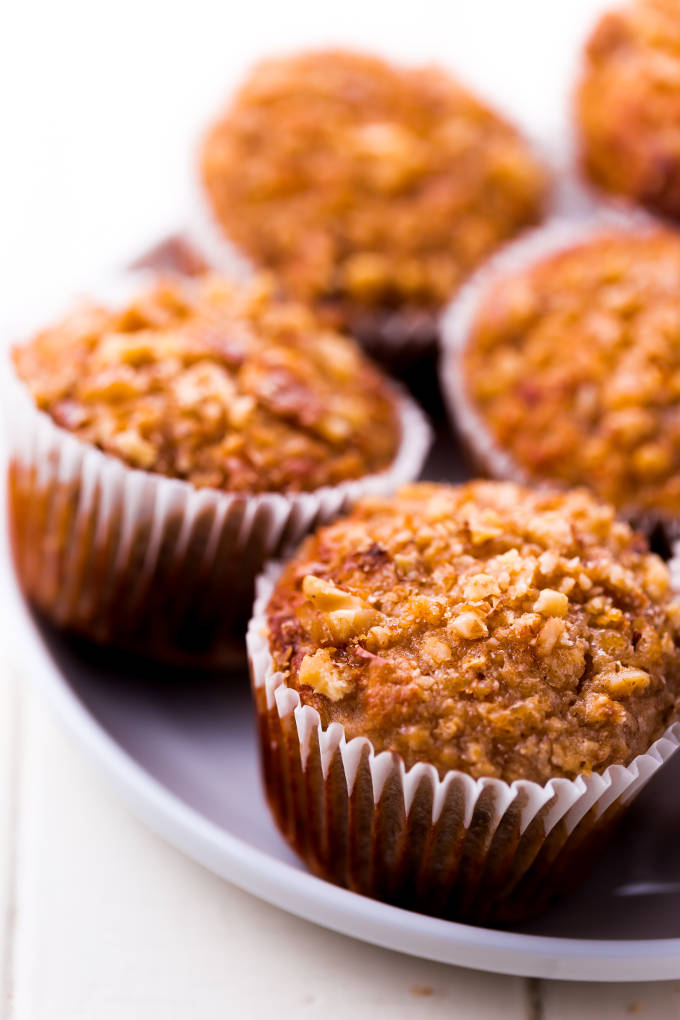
(367,188)
(161,452)
(572,365)
(628,104)
(501,631)
(223,387)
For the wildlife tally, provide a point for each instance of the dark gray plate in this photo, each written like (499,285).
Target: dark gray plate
(181,750)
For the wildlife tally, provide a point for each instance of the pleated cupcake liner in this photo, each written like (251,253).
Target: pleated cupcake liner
(150,563)
(485,455)
(477,850)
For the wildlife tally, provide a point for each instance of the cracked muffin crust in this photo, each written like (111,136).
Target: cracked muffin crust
(573,365)
(365,186)
(224,387)
(490,628)
(628,104)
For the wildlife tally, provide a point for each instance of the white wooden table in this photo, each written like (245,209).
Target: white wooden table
(98,918)
(101,920)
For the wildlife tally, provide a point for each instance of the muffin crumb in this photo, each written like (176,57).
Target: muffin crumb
(366,185)
(628,104)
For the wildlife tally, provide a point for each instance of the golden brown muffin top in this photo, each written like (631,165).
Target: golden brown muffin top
(574,364)
(628,103)
(223,386)
(487,627)
(357,181)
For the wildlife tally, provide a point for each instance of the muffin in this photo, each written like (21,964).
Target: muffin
(160,451)
(370,190)
(459,688)
(562,364)
(627,104)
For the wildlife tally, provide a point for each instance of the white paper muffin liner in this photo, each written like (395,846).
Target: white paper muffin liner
(457,322)
(481,850)
(151,563)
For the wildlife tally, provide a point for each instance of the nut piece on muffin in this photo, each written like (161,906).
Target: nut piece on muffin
(572,364)
(366,187)
(221,386)
(161,452)
(501,631)
(628,104)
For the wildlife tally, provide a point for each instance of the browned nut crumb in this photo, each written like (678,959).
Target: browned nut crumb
(226,387)
(499,630)
(628,104)
(364,183)
(574,366)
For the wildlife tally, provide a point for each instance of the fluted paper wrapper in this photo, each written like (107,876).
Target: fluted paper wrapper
(151,563)
(479,850)
(485,454)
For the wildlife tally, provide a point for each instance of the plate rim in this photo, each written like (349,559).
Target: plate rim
(299,892)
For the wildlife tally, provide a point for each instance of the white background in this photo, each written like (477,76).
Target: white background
(103,102)
(102,105)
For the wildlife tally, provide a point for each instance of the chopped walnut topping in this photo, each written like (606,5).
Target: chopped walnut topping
(469,626)
(474,657)
(551,603)
(608,414)
(481,586)
(624,682)
(366,185)
(549,635)
(225,387)
(328,597)
(344,614)
(320,673)
(435,650)
(132,448)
